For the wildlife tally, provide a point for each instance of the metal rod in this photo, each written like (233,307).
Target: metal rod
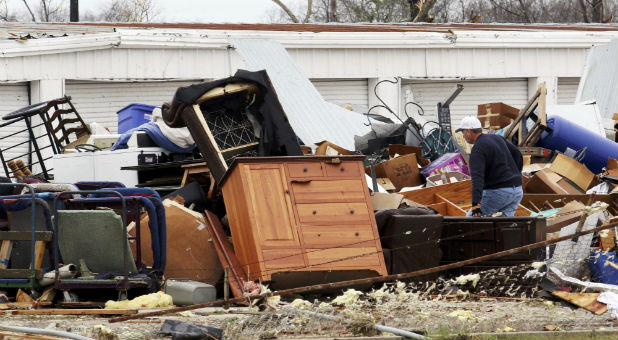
(343,284)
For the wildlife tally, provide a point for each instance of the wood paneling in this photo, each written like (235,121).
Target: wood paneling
(329,212)
(338,236)
(352,257)
(318,191)
(305,169)
(282,211)
(342,170)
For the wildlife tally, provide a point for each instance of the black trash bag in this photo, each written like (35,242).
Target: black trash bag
(187,331)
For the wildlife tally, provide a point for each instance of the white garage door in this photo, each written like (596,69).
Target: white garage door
(567,90)
(426,93)
(99,101)
(341,92)
(13,97)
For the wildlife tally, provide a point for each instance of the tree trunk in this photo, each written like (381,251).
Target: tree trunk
(45,10)
(309,10)
(598,10)
(333,11)
(582,5)
(424,8)
(286,9)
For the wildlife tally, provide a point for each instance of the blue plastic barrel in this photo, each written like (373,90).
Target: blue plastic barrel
(599,270)
(561,134)
(133,115)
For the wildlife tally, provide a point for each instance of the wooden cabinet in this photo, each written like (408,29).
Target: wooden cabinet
(301,214)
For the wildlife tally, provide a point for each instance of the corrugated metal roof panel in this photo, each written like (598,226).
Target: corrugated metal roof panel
(312,118)
(600,79)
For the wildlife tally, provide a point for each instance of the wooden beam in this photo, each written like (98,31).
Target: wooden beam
(5,253)
(26,235)
(13,335)
(55,311)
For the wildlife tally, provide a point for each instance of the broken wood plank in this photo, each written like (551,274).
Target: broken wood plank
(12,335)
(587,301)
(39,253)
(225,90)
(226,254)
(56,311)
(23,297)
(81,305)
(5,253)
(23,305)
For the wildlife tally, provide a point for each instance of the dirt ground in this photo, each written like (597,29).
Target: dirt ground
(439,318)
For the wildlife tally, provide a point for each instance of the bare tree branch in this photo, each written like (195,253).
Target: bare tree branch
(309,11)
(424,7)
(286,9)
(29,10)
(582,5)
(524,9)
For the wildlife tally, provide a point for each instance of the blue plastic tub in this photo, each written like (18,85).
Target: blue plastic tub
(133,115)
(599,271)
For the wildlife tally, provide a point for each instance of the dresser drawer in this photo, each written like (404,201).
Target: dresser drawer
(305,169)
(346,169)
(284,259)
(332,212)
(349,236)
(338,190)
(343,257)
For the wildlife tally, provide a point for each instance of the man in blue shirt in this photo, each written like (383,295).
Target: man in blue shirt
(495,167)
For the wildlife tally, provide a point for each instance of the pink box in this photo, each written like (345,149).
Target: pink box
(448,162)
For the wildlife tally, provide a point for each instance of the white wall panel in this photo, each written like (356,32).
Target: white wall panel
(99,101)
(427,93)
(13,97)
(343,91)
(567,90)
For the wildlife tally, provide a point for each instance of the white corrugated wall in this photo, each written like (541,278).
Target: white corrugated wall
(343,91)
(567,90)
(99,101)
(428,93)
(13,97)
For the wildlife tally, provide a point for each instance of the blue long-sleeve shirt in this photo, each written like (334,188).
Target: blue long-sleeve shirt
(494,163)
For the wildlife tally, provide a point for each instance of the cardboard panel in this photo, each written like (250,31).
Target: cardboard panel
(402,171)
(573,170)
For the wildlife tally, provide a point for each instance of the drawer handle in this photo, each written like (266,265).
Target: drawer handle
(342,169)
(315,212)
(301,181)
(304,169)
(351,211)
(356,233)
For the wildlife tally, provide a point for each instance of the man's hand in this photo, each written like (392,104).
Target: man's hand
(476,210)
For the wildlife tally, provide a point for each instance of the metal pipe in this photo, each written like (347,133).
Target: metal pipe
(65,272)
(41,331)
(348,283)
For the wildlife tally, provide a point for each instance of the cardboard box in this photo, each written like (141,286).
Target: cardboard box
(572,170)
(496,115)
(402,171)
(612,167)
(448,162)
(451,177)
(549,182)
(402,150)
(390,201)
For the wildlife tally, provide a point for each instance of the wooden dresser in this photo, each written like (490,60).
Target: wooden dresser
(308,213)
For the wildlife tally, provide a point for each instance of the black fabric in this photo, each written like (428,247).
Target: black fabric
(277,138)
(186,331)
(411,237)
(494,163)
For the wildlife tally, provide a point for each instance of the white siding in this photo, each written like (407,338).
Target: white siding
(567,90)
(428,93)
(99,101)
(343,91)
(13,97)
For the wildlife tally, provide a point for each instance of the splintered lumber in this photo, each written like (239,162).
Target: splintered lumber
(23,305)
(55,311)
(11,335)
(587,301)
(5,252)
(385,278)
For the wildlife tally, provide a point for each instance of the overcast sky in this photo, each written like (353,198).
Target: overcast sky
(214,11)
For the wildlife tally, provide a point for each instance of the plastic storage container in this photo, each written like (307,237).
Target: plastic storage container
(133,115)
(561,134)
(187,292)
(601,272)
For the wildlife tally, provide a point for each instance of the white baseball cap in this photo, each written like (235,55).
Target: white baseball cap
(469,122)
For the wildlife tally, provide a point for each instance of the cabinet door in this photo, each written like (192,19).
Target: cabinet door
(274,222)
